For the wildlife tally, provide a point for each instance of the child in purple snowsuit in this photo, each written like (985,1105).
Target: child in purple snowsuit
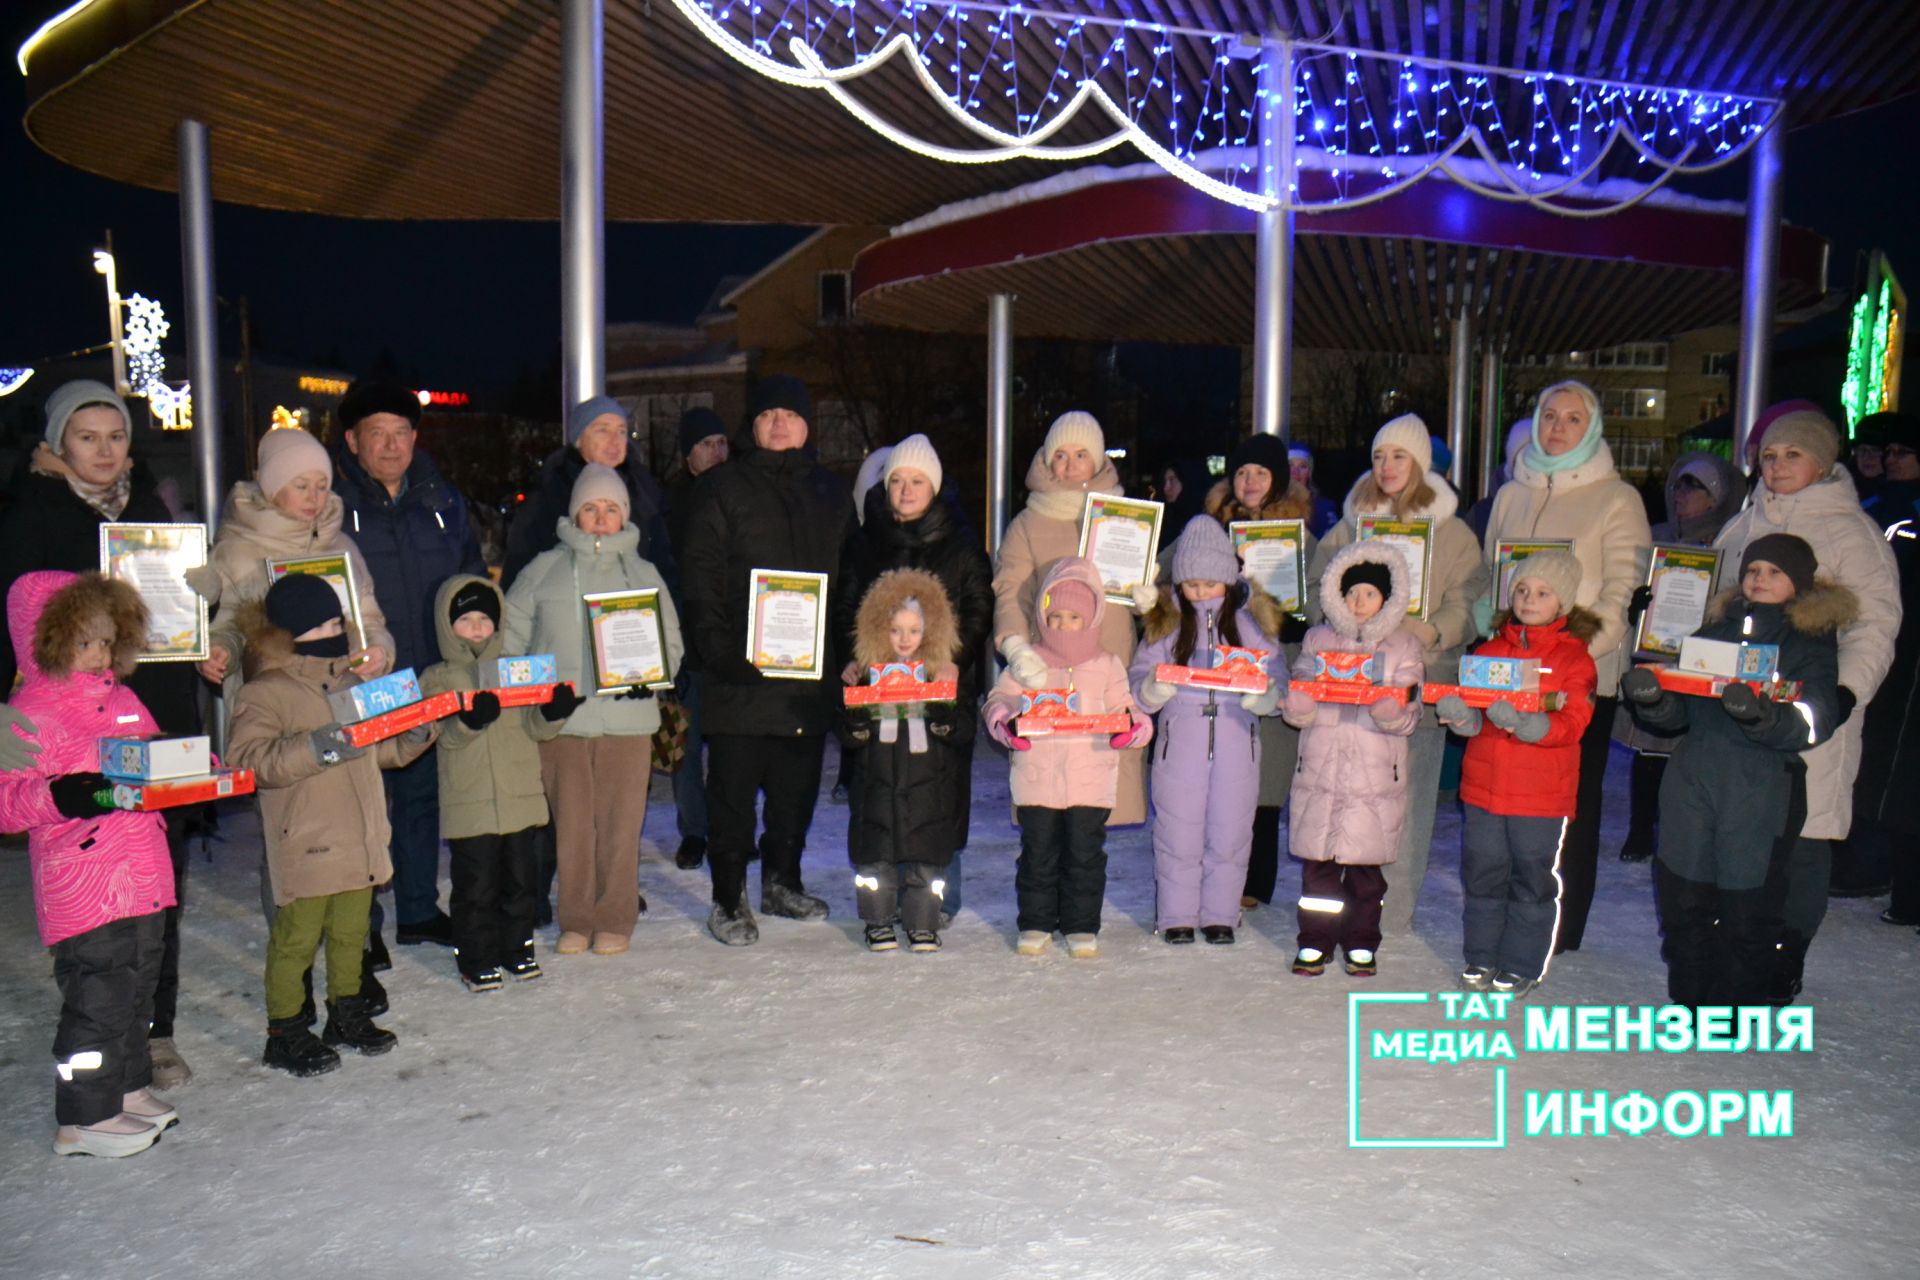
(1350,793)
(1206,753)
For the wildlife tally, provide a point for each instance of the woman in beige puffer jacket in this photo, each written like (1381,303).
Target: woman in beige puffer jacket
(1565,486)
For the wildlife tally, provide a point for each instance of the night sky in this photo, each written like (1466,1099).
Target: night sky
(473,305)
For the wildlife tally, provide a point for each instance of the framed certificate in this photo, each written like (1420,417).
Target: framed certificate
(1508,554)
(1414,539)
(1680,582)
(154,559)
(1120,536)
(629,640)
(1272,557)
(337,568)
(787,623)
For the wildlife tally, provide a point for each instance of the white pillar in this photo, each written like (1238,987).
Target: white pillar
(203,320)
(1273,246)
(1759,274)
(1459,398)
(583,303)
(999,415)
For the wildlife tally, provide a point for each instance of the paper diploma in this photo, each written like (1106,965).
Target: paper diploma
(629,647)
(1120,536)
(153,559)
(786,623)
(1270,558)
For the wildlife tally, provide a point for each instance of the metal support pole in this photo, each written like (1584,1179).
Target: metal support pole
(1765,184)
(1493,432)
(1273,246)
(999,415)
(1459,397)
(203,321)
(583,300)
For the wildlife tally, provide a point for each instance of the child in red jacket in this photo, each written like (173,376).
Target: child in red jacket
(1520,778)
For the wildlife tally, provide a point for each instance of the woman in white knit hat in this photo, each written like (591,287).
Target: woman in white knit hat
(1072,462)
(1805,491)
(1403,485)
(1565,486)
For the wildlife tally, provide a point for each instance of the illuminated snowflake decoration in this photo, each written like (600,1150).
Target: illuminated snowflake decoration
(147,326)
(174,408)
(1054,86)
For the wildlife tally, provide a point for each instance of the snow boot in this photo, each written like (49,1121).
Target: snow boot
(478,980)
(1361,963)
(293,1048)
(692,852)
(1033,942)
(881,937)
(350,1026)
(794,903)
(736,928)
(1477,977)
(1083,946)
(1219,935)
(923,940)
(121,1139)
(436,928)
(1309,962)
(1790,965)
(170,1070)
(523,966)
(1180,935)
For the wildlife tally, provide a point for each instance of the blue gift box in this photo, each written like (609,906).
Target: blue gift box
(528,668)
(375,697)
(1511,675)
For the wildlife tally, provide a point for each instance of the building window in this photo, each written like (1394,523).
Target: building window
(1617,403)
(1638,454)
(1716,364)
(1632,355)
(836,297)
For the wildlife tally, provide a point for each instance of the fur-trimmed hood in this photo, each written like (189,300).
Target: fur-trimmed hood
(48,609)
(1163,619)
(1582,624)
(1293,503)
(1334,604)
(1445,502)
(1823,609)
(452,647)
(872,644)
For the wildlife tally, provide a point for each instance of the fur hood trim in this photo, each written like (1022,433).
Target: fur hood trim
(268,647)
(66,611)
(1334,604)
(1163,619)
(1822,610)
(872,645)
(1582,623)
(1294,504)
(1446,502)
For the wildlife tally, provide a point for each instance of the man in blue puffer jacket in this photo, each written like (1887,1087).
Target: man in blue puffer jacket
(412,527)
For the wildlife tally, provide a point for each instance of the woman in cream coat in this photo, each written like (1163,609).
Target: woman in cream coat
(1565,486)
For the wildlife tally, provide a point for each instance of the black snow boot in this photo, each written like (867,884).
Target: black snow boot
(1790,965)
(307,1012)
(692,852)
(293,1048)
(372,992)
(379,959)
(350,1026)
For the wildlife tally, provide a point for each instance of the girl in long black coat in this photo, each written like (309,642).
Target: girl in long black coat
(902,833)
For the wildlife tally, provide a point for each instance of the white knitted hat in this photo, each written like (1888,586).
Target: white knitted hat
(597,483)
(1075,427)
(1410,433)
(916,453)
(286,453)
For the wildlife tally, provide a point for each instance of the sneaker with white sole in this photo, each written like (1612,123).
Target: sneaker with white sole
(881,937)
(923,940)
(1310,962)
(123,1135)
(1083,946)
(1477,977)
(1361,963)
(1034,942)
(1513,984)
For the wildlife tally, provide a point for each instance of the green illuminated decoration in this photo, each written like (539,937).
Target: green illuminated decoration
(1875,345)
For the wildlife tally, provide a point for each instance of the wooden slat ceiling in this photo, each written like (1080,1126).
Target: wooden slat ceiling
(1351,293)
(449,108)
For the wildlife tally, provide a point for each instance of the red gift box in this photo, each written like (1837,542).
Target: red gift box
(518,695)
(1072,725)
(1236,677)
(1474,696)
(392,724)
(172,793)
(900,682)
(1350,692)
(1697,685)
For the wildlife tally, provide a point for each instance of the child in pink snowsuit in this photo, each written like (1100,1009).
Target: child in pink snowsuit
(1064,785)
(1206,752)
(1350,794)
(102,877)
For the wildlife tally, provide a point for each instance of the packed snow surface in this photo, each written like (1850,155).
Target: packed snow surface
(803,1108)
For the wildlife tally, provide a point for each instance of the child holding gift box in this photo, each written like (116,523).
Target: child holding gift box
(491,803)
(905,821)
(102,878)
(1206,762)
(1734,796)
(1350,795)
(324,814)
(1520,780)
(596,753)
(1064,786)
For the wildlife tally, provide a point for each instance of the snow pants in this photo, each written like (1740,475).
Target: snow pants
(911,892)
(1202,823)
(1510,878)
(297,929)
(493,897)
(1061,877)
(1580,857)
(740,767)
(597,790)
(1340,906)
(166,993)
(106,978)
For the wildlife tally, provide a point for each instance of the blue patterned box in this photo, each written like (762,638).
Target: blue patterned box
(375,697)
(152,759)
(1511,675)
(528,668)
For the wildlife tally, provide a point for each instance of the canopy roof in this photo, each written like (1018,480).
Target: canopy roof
(450,108)
(1133,255)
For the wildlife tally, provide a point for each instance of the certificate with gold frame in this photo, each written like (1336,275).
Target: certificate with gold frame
(629,636)
(153,559)
(787,623)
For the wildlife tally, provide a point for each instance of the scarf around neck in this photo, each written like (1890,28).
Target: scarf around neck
(109,499)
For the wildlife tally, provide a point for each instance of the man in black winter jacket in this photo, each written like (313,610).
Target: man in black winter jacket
(772,507)
(412,527)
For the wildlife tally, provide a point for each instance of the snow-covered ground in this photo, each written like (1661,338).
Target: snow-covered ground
(803,1108)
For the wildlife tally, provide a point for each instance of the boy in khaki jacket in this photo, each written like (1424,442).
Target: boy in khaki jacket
(323,813)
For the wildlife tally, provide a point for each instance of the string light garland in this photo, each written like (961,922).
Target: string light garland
(1041,84)
(146,326)
(11,379)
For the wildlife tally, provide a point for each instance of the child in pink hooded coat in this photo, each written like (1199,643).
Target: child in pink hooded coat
(1350,793)
(102,877)
(1064,786)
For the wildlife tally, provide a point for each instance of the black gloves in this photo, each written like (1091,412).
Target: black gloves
(484,711)
(1847,703)
(1637,605)
(1749,709)
(1642,686)
(81,795)
(637,692)
(563,703)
